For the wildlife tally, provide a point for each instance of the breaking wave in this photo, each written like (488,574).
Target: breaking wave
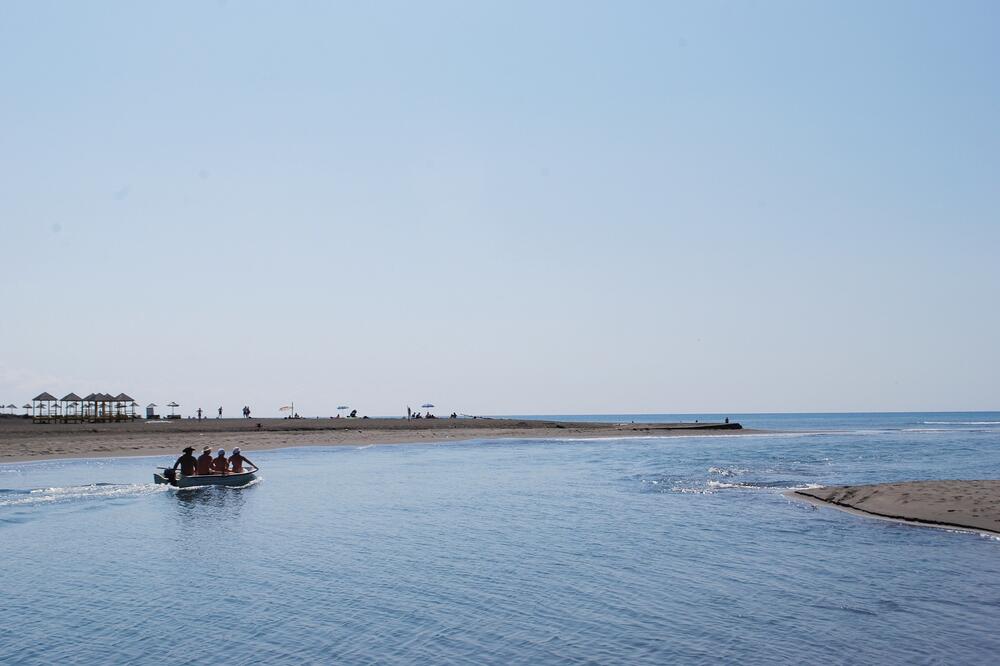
(980,423)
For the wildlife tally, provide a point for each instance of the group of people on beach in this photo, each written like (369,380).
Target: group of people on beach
(206,464)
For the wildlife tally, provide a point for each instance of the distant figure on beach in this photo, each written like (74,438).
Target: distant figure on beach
(220,465)
(727,419)
(199,413)
(187,462)
(246,412)
(409,413)
(453,416)
(220,413)
(353,414)
(205,461)
(237,459)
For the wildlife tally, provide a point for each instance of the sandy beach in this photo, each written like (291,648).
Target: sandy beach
(971,505)
(21,440)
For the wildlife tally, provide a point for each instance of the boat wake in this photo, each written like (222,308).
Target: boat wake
(94,491)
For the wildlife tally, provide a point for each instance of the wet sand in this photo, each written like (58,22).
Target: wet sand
(21,440)
(970,505)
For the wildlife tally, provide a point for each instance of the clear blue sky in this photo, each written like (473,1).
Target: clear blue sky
(502,207)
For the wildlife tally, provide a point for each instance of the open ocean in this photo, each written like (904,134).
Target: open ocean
(618,551)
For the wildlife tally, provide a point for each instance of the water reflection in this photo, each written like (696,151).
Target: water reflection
(214,507)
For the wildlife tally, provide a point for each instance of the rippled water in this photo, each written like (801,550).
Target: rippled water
(654,550)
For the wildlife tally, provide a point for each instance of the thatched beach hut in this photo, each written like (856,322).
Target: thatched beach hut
(43,408)
(95,408)
(72,407)
(124,407)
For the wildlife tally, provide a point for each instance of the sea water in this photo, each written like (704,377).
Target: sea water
(650,550)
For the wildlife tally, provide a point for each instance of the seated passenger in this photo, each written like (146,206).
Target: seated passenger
(205,461)
(237,460)
(220,465)
(187,462)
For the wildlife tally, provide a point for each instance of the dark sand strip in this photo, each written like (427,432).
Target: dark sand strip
(966,505)
(22,440)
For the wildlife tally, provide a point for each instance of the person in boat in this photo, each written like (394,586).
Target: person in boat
(220,465)
(236,461)
(205,461)
(187,462)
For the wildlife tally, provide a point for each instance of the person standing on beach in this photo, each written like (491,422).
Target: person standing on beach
(199,413)
(409,413)
(220,413)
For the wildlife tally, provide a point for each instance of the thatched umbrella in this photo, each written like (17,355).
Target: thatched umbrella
(27,408)
(172,405)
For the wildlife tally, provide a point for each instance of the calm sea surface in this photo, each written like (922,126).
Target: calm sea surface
(655,550)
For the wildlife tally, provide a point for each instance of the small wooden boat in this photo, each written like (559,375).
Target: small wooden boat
(171,477)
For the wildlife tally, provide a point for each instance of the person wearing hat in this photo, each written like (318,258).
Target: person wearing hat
(237,460)
(220,465)
(187,462)
(205,461)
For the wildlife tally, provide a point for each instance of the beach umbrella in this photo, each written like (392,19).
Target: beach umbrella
(26,408)
(172,405)
(426,405)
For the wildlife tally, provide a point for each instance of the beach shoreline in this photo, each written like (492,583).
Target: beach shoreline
(24,441)
(965,505)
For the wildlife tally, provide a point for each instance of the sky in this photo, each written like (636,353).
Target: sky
(502,207)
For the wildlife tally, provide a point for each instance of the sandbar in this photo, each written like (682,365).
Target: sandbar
(22,440)
(959,504)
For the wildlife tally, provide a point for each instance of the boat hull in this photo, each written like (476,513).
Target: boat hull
(207,480)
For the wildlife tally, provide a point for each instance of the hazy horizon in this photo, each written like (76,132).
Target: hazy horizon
(502,208)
